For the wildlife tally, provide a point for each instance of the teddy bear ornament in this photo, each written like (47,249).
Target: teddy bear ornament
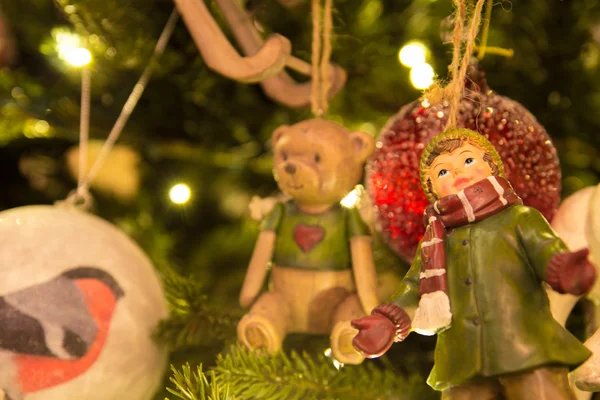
(322,273)
(476,282)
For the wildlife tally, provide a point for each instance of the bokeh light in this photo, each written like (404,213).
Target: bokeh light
(413,54)
(77,57)
(180,193)
(70,48)
(36,128)
(421,76)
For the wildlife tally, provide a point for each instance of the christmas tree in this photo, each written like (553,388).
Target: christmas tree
(197,148)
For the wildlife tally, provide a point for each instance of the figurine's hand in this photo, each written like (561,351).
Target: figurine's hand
(388,323)
(375,336)
(571,272)
(578,274)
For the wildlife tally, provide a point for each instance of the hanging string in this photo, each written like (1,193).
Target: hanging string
(321,82)
(459,80)
(327,48)
(436,93)
(453,91)
(84,127)
(315,98)
(81,196)
(455,84)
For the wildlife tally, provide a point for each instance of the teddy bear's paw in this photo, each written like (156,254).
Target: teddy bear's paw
(258,333)
(341,344)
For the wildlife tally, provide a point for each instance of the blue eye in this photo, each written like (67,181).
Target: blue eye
(442,173)
(469,161)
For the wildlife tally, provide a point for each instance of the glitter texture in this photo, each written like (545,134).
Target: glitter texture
(530,159)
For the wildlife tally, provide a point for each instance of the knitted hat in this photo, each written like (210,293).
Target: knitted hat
(466,135)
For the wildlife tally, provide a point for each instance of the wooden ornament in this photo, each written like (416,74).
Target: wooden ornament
(220,55)
(264,61)
(280,87)
(323,274)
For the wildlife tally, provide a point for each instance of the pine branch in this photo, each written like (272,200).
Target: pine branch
(193,322)
(184,295)
(301,376)
(195,385)
(199,328)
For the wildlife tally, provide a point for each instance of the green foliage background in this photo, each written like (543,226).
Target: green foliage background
(195,126)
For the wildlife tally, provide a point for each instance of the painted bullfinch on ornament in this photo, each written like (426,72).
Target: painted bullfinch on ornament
(53,332)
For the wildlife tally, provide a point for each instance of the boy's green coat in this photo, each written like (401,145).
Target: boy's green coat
(501,319)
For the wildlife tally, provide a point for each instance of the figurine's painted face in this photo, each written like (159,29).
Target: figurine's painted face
(317,162)
(451,172)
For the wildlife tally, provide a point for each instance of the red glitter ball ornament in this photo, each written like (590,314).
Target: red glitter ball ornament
(530,159)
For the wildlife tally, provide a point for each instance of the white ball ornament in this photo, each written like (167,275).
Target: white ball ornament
(571,222)
(78,303)
(587,376)
(572,217)
(592,230)
(578,223)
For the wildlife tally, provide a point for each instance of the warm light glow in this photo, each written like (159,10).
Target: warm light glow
(412,54)
(77,57)
(70,50)
(352,198)
(421,76)
(180,193)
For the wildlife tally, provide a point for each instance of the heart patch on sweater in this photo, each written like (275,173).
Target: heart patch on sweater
(308,236)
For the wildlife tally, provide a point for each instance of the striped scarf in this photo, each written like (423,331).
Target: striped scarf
(472,204)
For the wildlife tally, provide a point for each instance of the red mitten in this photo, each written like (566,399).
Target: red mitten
(571,272)
(377,332)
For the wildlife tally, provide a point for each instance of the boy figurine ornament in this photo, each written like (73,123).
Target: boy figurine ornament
(476,282)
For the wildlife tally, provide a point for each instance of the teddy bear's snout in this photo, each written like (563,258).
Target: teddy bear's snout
(290,168)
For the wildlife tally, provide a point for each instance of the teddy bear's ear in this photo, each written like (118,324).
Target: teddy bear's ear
(278,134)
(363,143)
